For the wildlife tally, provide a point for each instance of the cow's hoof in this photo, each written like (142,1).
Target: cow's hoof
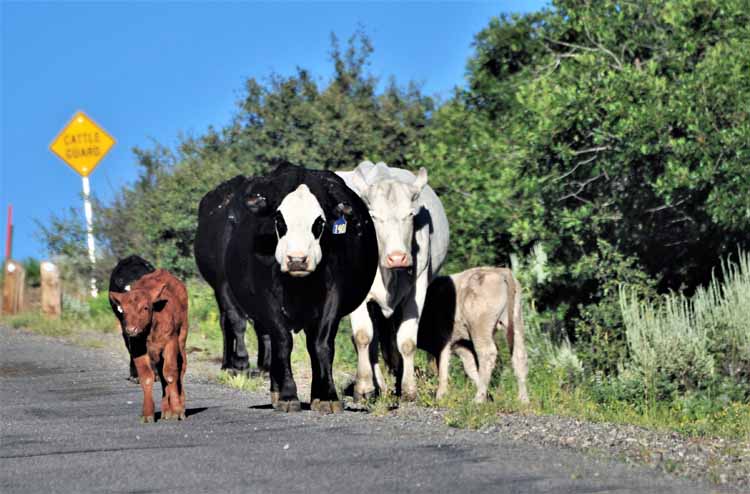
(274,398)
(238,372)
(288,406)
(134,379)
(410,395)
(147,419)
(181,416)
(360,396)
(326,407)
(258,372)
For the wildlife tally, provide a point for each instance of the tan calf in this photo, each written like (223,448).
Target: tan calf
(155,320)
(462,313)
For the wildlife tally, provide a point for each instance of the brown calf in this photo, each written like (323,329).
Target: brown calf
(156,309)
(461,314)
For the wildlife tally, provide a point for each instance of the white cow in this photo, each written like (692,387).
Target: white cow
(412,232)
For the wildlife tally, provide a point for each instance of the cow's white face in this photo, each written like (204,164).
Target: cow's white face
(393,205)
(299,225)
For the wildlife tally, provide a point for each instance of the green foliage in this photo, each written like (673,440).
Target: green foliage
(696,344)
(600,123)
(33,274)
(333,125)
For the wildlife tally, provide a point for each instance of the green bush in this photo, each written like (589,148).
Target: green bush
(697,344)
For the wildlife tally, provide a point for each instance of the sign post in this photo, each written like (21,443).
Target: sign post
(82,144)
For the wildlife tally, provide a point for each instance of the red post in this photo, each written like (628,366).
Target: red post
(9,232)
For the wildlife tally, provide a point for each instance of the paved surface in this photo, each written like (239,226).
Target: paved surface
(69,423)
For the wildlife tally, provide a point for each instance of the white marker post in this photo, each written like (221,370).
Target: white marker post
(88,211)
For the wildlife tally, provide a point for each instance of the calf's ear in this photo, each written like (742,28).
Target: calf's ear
(157,297)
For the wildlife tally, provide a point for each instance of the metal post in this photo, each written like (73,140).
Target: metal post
(89,231)
(9,233)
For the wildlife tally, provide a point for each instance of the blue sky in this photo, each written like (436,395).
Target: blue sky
(154,71)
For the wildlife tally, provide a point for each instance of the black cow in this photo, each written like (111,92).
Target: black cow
(127,272)
(218,214)
(298,250)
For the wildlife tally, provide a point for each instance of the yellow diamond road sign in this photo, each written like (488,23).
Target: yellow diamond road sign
(82,144)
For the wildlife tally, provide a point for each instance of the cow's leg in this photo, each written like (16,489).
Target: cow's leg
(406,338)
(281,371)
(486,351)
(264,349)
(133,377)
(470,362)
(320,346)
(233,325)
(519,359)
(171,377)
(362,336)
(146,379)
(443,368)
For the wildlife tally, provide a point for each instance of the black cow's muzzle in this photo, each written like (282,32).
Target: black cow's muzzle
(298,266)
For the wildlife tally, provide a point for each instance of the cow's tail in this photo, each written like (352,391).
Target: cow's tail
(510,309)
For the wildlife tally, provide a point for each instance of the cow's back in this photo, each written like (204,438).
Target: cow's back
(481,292)
(216,217)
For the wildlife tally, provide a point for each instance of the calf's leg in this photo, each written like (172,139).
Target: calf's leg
(486,351)
(146,379)
(470,362)
(170,384)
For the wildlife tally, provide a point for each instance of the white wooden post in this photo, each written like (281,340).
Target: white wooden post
(89,230)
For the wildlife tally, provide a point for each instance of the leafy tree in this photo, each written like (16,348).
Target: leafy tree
(615,134)
(334,125)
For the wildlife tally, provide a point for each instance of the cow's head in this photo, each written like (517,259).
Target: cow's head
(393,205)
(137,306)
(299,222)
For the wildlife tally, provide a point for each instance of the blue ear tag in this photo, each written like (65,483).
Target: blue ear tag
(339,226)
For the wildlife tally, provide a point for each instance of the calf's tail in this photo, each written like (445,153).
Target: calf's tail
(510,309)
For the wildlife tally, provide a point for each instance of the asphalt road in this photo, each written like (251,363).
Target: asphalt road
(69,423)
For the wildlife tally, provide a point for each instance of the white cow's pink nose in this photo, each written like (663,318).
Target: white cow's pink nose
(397,260)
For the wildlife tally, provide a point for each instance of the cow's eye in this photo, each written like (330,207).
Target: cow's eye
(119,309)
(317,228)
(280,224)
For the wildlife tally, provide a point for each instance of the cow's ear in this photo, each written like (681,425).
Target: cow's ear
(420,182)
(256,203)
(359,184)
(343,209)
